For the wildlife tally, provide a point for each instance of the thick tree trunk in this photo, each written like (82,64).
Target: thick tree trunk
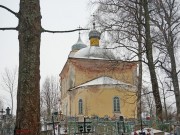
(164,100)
(170,49)
(149,55)
(139,39)
(28,94)
(168,25)
(139,108)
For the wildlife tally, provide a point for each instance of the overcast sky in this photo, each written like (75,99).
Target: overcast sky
(56,15)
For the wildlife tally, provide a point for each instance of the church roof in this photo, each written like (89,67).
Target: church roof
(105,80)
(93,52)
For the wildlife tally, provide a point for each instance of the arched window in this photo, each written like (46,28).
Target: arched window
(116,104)
(80,106)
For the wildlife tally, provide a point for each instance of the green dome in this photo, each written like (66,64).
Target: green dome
(79,45)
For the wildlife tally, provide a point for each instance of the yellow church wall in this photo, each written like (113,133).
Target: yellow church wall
(79,71)
(83,77)
(99,101)
(87,70)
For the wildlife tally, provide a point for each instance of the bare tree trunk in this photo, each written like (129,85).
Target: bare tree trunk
(170,49)
(28,96)
(149,55)
(164,98)
(174,75)
(165,106)
(168,13)
(139,111)
(139,27)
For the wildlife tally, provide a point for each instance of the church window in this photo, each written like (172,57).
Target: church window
(80,106)
(116,104)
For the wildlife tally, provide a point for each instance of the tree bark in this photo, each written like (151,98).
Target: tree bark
(139,39)
(28,94)
(149,55)
(170,49)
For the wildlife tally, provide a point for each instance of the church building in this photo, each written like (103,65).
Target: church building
(94,83)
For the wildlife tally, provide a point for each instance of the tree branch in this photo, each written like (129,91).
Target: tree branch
(147,93)
(161,64)
(9,28)
(14,13)
(178,72)
(66,31)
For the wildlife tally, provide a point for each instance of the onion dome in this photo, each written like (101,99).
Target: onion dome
(79,45)
(94,36)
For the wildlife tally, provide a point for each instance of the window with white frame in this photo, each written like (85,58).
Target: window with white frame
(116,104)
(80,106)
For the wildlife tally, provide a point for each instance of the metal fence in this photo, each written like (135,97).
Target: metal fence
(100,126)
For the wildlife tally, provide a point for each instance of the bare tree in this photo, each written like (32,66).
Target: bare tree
(9,83)
(165,87)
(28,94)
(129,21)
(148,102)
(50,96)
(167,19)
(149,56)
